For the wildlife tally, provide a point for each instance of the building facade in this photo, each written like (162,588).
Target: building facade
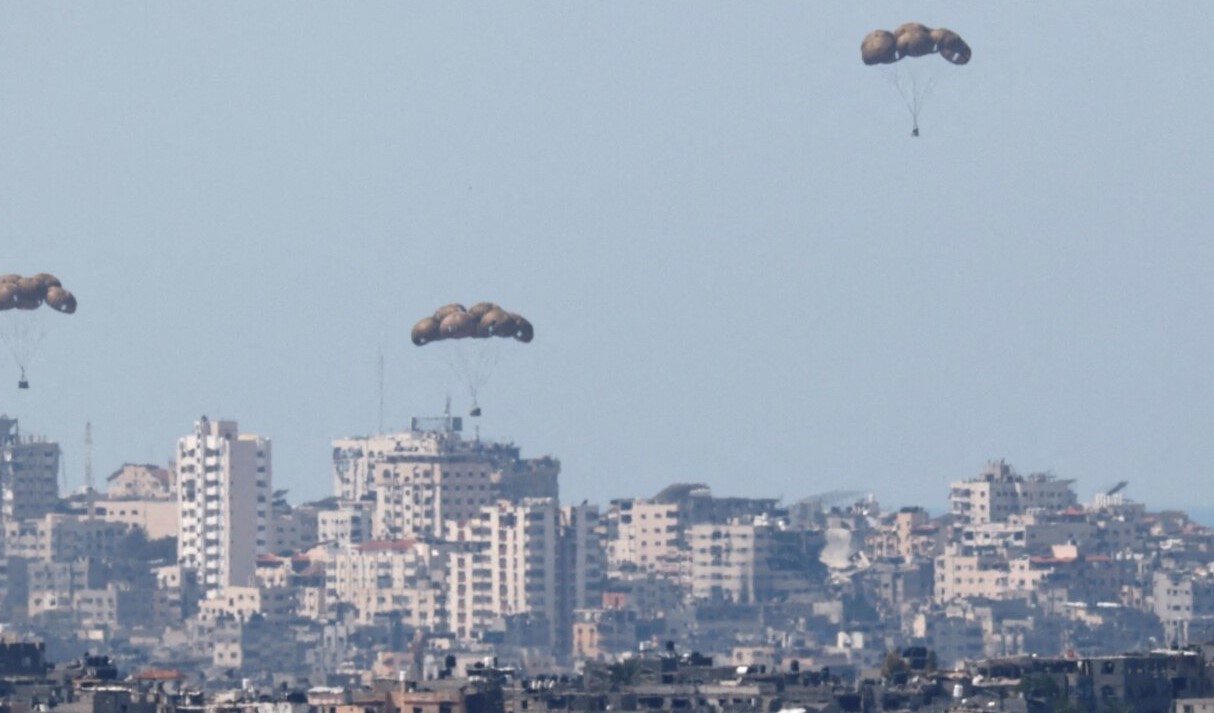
(29,474)
(225,489)
(998,492)
(418,480)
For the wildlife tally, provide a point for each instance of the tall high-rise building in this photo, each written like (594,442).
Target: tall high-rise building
(224,489)
(29,474)
(419,480)
(581,567)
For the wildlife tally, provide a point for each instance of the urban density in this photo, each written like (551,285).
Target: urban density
(445,575)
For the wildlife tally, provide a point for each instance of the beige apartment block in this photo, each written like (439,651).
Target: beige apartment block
(908,533)
(53,584)
(418,480)
(601,634)
(347,525)
(96,608)
(62,537)
(998,492)
(731,562)
(909,524)
(505,564)
(312,603)
(141,482)
(963,574)
(647,536)
(293,529)
(1184,602)
(405,578)
(241,603)
(158,518)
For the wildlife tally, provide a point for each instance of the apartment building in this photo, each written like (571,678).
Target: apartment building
(293,529)
(347,525)
(141,482)
(999,492)
(29,474)
(224,494)
(964,572)
(53,585)
(647,536)
(157,518)
(1184,602)
(506,566)
(419,479)
(402,578)
(581,564)
(62,538)
(732,562)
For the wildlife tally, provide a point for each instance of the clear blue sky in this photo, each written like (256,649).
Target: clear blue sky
(741,268)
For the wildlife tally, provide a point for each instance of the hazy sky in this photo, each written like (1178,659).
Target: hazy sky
(741,268)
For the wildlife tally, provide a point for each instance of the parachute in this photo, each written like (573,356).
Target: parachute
(914,80)
(472,357)
(22,329)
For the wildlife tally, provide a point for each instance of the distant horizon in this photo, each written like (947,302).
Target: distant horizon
(1202,514)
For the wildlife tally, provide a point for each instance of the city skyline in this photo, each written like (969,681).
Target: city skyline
(434,543)
(342,478)
(741,268)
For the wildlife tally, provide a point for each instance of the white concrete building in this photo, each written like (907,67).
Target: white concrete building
(225,489)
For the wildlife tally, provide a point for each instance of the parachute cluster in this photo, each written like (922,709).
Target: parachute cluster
(29,293)
(913,40)
(480,321)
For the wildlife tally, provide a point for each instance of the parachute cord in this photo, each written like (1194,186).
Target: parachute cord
(23,336)
(914,89)
(909,99)
(472,365)
(927,91)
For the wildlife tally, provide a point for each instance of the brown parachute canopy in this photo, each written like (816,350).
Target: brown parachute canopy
(480,321)
(28,293)
(913,39)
